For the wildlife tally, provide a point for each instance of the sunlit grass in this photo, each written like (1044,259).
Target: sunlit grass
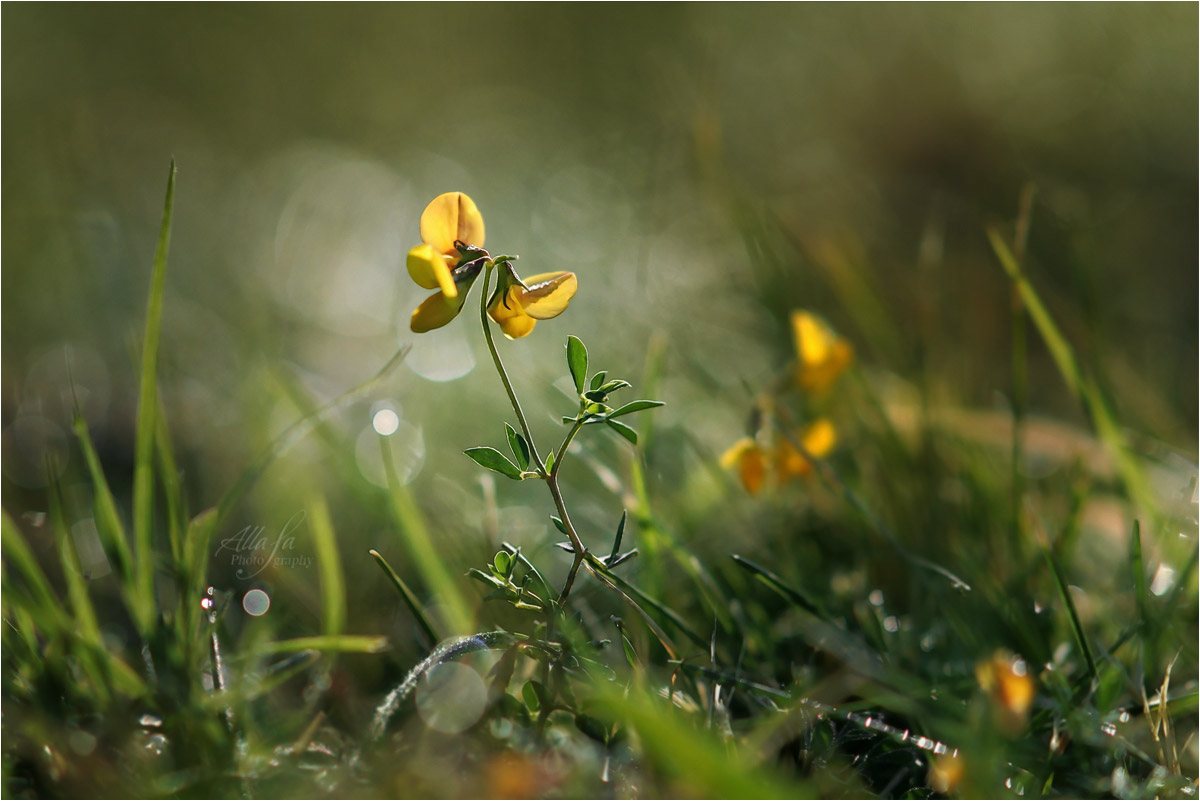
(913,596)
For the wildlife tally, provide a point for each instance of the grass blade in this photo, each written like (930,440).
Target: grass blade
(775,582)
(1103,419)
(341,643)
(45,607)
(411,523)
(333,582)
(108,519)
(297,431)
(410,599)
(143,469)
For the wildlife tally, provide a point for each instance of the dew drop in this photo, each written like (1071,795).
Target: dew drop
(256,603)
(876,597)
(385,422)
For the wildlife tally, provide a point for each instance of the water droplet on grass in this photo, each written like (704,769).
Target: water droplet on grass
(256,603)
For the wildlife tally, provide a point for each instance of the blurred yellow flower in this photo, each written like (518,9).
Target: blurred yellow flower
(517,305)
(756,464)
(1005,678)
(821,355)
(750,461)
(946,773)
(449,220)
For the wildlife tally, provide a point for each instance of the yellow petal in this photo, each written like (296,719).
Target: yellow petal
(449,217)
(436,311)
(747,458)
(821,355)
(733,457)
(509,315)
(819,438)
(429,270)
(753,471)
(812,338)
(548,294)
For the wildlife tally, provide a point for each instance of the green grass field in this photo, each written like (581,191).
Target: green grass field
(913,512)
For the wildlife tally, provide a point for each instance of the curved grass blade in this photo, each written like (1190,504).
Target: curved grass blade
(775,582)
(410,599)
(297,431)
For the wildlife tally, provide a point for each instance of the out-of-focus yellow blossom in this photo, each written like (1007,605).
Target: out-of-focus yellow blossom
(1005,678)
(450,219)
(750,461)
(818,440)
(517,306)
(946,773)
(821,355)
(756,465)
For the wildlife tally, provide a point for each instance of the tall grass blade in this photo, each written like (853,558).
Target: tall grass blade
(1079,385)
(410,599)
(143,468)
(108,519)
(428,559)
(44,605)
(333,582)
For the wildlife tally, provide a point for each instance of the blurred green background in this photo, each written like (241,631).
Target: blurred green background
(704,169)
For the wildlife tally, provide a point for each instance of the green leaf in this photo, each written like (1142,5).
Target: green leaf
(493,459)
(620,533)
(558,524)
(503,563)
(550,461)
(598,379)
(532,694)
(614,385)
(577,360)
(518,446)
(624,430)
(634,406)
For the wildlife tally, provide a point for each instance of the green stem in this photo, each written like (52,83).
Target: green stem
(512,395)
(551,477)
(562,450)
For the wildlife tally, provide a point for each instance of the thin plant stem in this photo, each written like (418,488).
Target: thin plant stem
(551,476)
(512,395)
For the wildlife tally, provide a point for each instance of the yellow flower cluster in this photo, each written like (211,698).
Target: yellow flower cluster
(772,457)
(780,461)
(451,257)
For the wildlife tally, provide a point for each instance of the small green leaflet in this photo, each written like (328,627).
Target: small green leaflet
(518,446)
(577,360)
(634,406)
(493,459)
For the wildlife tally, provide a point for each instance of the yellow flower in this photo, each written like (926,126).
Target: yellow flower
(748,458)
(946,773)
(821,355)
(1005,678)
(449,220)
(756,465)
(451,258)
(516,306)
(818,440)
